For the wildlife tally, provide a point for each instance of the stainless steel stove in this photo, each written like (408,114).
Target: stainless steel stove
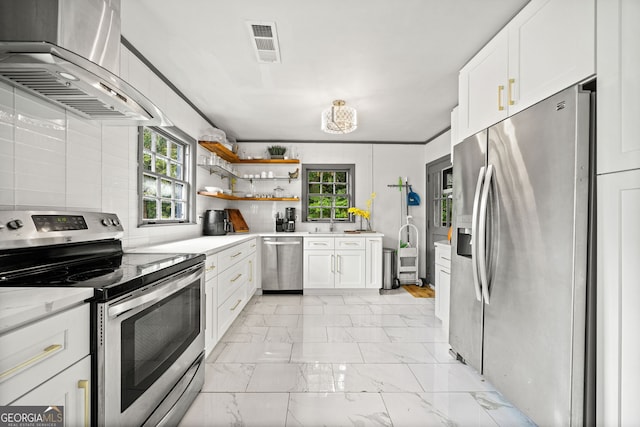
(147,310)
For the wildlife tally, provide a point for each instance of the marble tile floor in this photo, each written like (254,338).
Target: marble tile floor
(343,360)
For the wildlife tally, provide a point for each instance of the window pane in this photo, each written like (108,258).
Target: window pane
(314,213)
(146,161)
(315,201)
(166,209)
(341,177)
(342,213)
(327,177)
(179,194)
(326,213)
(149,209)
(161,145)
(146,138)
(327,188)
(342,202)
(176,171)
(149,185)
(173,151)
(341,189)
(161,166)
(180,210)
(179,153)
(314,176)
(165,188)
(314,188)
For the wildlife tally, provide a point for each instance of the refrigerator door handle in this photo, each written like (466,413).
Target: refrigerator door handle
(474,234)
(481,250)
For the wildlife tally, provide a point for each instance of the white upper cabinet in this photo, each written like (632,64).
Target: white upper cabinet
(551,47)
(548,46)
(618,85)
(482,87)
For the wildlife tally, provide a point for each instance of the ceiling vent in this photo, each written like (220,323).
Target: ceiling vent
(264,40)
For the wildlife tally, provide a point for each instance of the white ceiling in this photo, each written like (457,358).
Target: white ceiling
(395,61)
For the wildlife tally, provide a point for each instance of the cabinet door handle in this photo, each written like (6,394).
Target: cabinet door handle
(510,91)
(339,262)
(211,268)
(333,263)
(236,305)
(48,351)
(236,278)
(250,270)
(84,385)
(233,256)
(500,90)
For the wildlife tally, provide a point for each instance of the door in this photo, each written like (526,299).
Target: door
(465,323)
(534,322)
(319,269)
(439,202)
(350,269)
(483,87)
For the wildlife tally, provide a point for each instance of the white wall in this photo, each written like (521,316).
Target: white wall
(441,146)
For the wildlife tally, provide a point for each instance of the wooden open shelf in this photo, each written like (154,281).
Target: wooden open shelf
(232,197)
(228,155)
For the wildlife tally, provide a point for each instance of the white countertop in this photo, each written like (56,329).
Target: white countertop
(213,244)
(23,305)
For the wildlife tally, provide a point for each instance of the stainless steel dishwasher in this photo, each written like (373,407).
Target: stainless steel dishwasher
(282,265)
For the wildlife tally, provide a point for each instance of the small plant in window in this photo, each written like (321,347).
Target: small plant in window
(364,213)
(277,151)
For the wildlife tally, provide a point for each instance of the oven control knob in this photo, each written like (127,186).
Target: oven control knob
(15,224)
(115,222)
(106,222)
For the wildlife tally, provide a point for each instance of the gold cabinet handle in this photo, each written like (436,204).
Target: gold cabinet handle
(236,278)
(233,256)
(236,306)
(84,385)
(510,91)
(500,90)
(211,268)
(45,353)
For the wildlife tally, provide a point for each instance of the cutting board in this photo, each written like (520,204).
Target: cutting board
(239,225)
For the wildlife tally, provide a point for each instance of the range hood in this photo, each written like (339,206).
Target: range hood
(68,52)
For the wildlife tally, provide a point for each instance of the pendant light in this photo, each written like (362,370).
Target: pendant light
(339,118)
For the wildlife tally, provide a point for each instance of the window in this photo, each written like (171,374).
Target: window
(327,192)
(165,173)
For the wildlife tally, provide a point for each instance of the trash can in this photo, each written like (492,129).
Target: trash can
(388,267)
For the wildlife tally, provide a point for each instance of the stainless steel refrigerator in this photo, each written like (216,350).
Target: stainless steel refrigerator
(521,307)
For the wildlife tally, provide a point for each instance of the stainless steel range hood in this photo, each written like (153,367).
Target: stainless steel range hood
(68,52)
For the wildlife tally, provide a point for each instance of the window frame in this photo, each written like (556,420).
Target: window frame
(350,170)
(176,136)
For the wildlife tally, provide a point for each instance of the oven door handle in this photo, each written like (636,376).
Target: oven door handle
(156,292)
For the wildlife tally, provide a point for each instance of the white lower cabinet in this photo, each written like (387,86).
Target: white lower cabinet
(236,283)
(70,389)
(443,283)
(49,364)
(342,262)
(373,264)
(618,269)
(211,303)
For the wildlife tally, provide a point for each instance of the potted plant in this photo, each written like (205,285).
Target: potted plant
(277,151)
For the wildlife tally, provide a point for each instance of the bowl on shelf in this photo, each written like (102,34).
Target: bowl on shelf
(213,189)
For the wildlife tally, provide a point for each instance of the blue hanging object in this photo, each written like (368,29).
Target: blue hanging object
(413,199)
